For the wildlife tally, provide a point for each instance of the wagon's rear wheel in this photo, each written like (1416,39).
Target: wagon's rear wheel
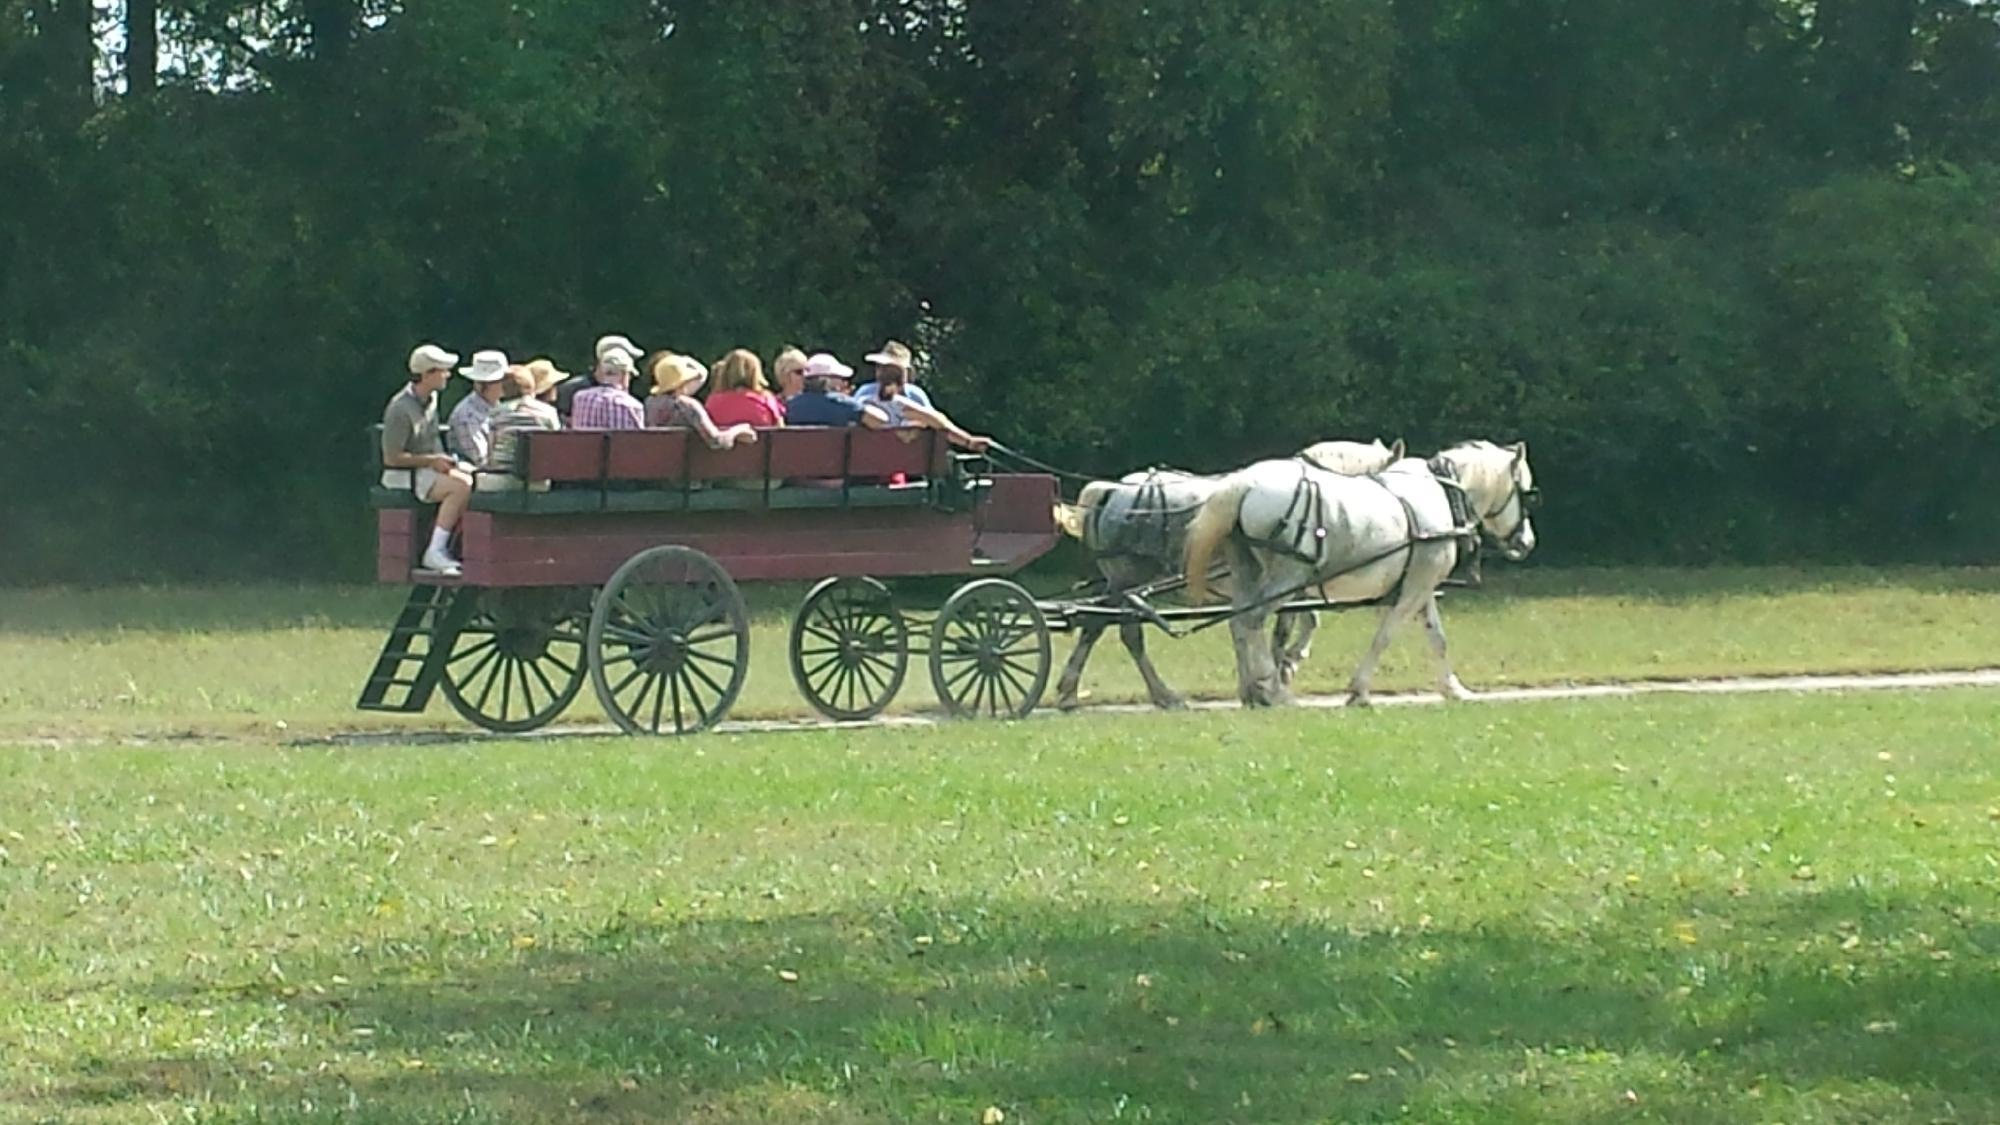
(518,659)
(669,642)
(850,648)
(990,651)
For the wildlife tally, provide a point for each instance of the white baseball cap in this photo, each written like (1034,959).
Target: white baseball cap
(487,367)
(430,357)
(823,364)
(620,343)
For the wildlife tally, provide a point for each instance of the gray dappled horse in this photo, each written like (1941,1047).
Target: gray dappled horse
(1135,529)
(1286,529)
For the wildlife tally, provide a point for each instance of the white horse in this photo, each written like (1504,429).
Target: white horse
(1135,529)
(1290,530)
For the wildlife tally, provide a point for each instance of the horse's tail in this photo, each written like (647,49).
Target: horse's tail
(1211,526)
(1069,517)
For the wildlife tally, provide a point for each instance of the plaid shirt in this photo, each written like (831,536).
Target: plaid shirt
(605,407)
(470,438)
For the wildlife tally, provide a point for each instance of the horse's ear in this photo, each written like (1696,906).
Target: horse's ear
(1396,451)
(1520,449)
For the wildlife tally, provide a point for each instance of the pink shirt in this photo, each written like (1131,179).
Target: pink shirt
(753,408)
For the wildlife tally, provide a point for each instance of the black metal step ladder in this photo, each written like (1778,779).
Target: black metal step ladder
(413,658)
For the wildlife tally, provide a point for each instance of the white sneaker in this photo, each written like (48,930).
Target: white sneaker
(439,560)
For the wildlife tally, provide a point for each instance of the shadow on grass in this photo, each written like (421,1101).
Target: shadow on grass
(1698,585)
(934,1009)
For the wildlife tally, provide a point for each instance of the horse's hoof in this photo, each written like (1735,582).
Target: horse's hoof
(1359,699)
(1068,703)
(1170,702)
(1458,693)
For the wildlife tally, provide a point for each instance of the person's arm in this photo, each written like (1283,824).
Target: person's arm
(936,420)
(874,417)
(715,436)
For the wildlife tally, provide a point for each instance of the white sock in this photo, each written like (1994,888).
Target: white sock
(440,539)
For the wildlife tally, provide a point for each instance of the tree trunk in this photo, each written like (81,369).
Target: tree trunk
(72,52)
(333,24)
(142,46)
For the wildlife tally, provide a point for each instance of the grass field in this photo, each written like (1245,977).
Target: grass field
(1769,909)
(1672,909)
(238,661)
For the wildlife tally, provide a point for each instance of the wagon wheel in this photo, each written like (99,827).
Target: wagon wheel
(518,660)
(850,648)
(990,651)
(669,642)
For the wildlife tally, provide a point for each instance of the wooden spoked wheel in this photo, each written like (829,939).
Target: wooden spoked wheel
(850,648)
(517,662)
(669,642)
(990,651)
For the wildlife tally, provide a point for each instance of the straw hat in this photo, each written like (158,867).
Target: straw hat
(546,375)
(894,353)
(672,372)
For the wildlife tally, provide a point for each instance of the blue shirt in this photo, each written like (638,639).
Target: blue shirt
(808,408)
(893,407)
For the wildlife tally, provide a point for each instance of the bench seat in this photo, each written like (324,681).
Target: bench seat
(672,471)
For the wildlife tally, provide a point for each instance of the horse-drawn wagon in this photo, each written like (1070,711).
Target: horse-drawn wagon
(616,555)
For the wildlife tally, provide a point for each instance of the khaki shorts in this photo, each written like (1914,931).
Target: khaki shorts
(426,482)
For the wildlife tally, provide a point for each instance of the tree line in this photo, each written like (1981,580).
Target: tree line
(1732,267)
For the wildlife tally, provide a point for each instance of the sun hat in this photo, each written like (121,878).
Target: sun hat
(546,374)
(487,367)
(616,361)
(824,365)
(430,357)
(894,353)
(673,371)
(620,343)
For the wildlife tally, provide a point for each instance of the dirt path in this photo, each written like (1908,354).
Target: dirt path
(1747,685)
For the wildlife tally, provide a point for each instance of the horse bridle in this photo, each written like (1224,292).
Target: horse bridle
(1527,500)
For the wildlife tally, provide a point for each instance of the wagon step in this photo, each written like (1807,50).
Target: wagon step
(413,657)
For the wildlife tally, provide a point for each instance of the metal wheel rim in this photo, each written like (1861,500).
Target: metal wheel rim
(669,643)
(516,664)
(990,652)
(850,648)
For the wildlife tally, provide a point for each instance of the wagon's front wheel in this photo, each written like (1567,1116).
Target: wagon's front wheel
(850,648)
(990,651)
(669,642)
(518,659)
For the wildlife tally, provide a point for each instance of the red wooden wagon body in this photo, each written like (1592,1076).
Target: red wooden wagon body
(619,552)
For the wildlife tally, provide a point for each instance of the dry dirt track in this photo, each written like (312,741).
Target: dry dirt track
(1804,684)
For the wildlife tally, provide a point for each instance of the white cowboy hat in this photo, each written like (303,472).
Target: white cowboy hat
(487,367)
(823,364)
(430,357)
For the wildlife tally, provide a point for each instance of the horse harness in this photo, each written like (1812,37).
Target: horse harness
(1308,536)
(1145,530)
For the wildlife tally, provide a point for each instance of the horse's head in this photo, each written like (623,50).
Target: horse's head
(1501,488)
(1352,458)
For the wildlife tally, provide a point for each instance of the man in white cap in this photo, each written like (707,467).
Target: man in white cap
(609,405)
(584,380)
(825,402)
(471,430)
(413,455)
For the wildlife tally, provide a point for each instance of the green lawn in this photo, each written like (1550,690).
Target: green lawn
(238,661)
(1759,909)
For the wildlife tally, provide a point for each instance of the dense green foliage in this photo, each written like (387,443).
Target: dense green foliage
(1731,266)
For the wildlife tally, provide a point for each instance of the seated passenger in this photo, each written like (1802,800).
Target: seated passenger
(576,384)
(892,365)
(740,395)
(672,404)
(521,409)
(609,405)
(413,455)
(469,436)
(825,402)
(788,370)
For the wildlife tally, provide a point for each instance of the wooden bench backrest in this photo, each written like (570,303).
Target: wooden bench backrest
(675,456)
